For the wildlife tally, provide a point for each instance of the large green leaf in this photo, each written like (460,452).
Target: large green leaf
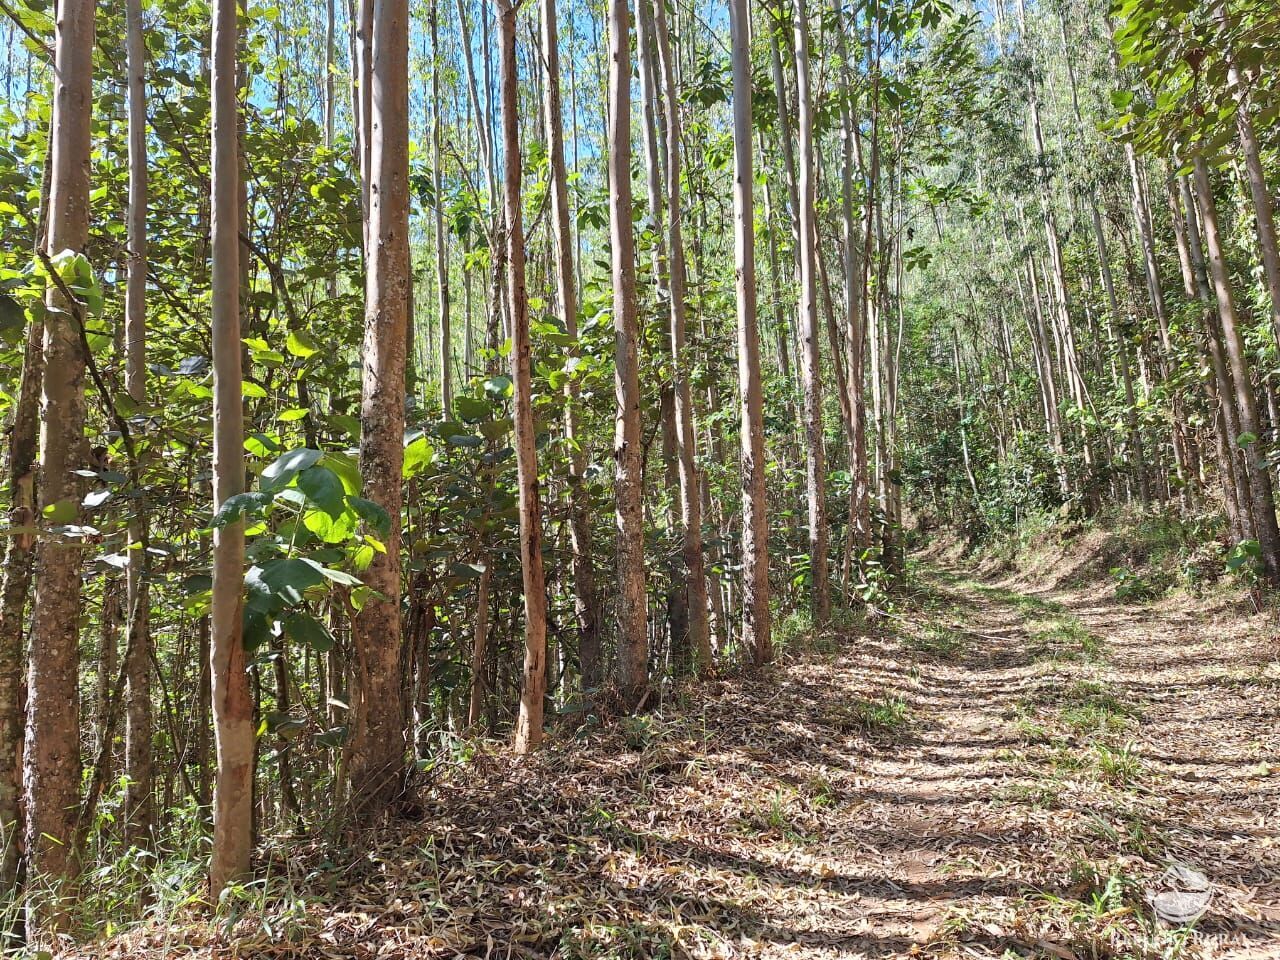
(288,577)
(417,454)
(306,629)
(324,489)
(240,505)
(287,466)
(372,514)
(329,528)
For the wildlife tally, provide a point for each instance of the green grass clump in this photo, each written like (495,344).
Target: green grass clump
(937,641)
(887,715)
(1118,765)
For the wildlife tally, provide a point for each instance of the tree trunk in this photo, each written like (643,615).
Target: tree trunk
(528,732)
(139,815)
(1264,213)
(633,655)
(378,742)
(699,637)
(52,758)
(19,557)
(859,537)
(362,80)
(756,630)
(479,639)
(1264,509)
(586,604)
(232,700)
(815,460)
(442,237)
(1219,386)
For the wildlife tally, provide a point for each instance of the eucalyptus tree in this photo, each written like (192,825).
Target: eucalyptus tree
(756,626)
(528,732)
(231,697)
(378,741)
(633,667)
(51,762)
(139,727)
(586,602)
(810,360)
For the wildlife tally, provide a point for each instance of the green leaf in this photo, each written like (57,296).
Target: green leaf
(329,528)
(417,454)
(372,514)
(499,387)
(13,319)
(324,489)
(346,423)
(1245,439)
(287,466)
(64,511)
(257,628)
(472,409)
(345,466)
(288,577)
(306,629)
(340,577)
(496,429)
(300,344)
(242,504)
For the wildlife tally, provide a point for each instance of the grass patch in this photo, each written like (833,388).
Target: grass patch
(821,792)
(773,816)
(1041,794)
(890,714)
(1090,708)
(1120,765)
(1131,834)
(936,641)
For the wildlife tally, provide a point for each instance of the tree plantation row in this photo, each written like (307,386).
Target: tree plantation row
(385,374)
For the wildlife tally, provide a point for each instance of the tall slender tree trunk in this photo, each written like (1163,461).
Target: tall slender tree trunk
(328,105)
(633,656)
(52,757)
(1220,382)
(756,629)
(859,536)
(232,700)
(811,371)
(362,80)
(1263,210)
(1057,294)
(1218,387)
(528,732)
(378,743)
(19,557)
(479,640)
(1260,488)
(686,434)
(139,816)
(442,237)
(586,603)
(677,573)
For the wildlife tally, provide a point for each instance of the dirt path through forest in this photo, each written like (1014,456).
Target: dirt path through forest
(998,769)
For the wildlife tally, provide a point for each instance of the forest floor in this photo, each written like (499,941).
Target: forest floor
(997,769)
